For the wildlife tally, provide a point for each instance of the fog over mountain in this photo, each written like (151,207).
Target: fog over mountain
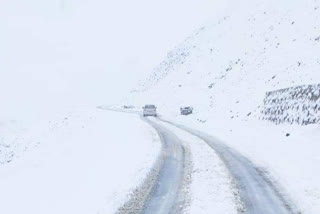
(68,51)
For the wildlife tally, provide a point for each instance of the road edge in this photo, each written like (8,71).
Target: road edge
(139,196)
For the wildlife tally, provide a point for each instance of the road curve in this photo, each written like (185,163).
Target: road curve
(165,191)
(256,191)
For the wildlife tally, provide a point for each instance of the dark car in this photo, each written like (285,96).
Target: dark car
(186,110)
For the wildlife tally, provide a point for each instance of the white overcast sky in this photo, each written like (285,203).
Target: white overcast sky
(89,50)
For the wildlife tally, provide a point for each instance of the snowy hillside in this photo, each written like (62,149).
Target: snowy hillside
(257,46)
(225,69)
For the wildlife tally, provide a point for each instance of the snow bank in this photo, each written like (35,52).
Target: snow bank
(84,161)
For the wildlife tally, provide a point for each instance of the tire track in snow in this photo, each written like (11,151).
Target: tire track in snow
(165,194)
(162,190)
(258,194)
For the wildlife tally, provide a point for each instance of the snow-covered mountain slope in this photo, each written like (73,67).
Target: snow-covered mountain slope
(224,70)
(228,65)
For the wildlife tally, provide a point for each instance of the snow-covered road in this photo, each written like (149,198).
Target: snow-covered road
(165,193)
(257,192)
(207,185)
(188,177)
(188,172)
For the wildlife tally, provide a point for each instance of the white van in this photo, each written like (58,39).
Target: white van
(149,110)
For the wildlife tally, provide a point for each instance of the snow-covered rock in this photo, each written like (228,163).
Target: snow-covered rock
(293,105)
